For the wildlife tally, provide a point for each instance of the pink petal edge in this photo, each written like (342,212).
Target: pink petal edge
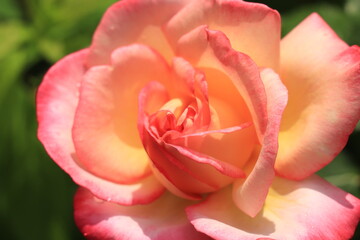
(250,194)
(130,21)
(321,73)
(212,49)
(57,98)
(252,28)
(164,219)
(309,209)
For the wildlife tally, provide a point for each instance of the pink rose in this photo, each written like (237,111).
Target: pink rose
(173,123)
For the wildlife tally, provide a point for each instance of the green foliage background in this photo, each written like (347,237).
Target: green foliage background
(35,194)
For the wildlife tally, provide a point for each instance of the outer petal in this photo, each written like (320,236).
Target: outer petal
(249,195)
(105,130)
(322,75)
(163,219)
(57,99)
(311,209)
(133,21)
(252,28)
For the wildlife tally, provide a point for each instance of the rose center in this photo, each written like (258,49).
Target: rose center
(173,118)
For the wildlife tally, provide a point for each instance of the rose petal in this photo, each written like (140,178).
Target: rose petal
(177,166)
(217,167)
(151,98)
(233,78)
(236,145)
(208,141)
(99,148)
(252,28)
(133,21)
(187,171)
(220,131)
(168,170)
(249,195)
(169,185)
(173,169)
(57,98)
(207,164)
(163,219)
(186,79)
(322,75)
(310,209)
(105,132)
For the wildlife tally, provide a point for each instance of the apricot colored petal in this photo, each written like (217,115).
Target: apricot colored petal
(190,85)
(164,219)
(252,28)
(188,155)
(236,144)
(151,98)
(207,139)
(98,146)
(185,77)
(131,21)
(215,173)
(309,209)
(321,73)
(218,168)
(222,131)
(249,194)
(240,77)
(105,130)
(57,98)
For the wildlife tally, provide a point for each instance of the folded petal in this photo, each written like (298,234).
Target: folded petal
(252,28)
(56,99)
(105,130)
(309,209)
(322,75)
(249,194)
(171,171)
(131,21)
(211,168)
(150,99)
(184,170)
(163,219)
(233,78)
(236,144)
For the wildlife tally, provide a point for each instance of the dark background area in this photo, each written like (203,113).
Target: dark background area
(35,194)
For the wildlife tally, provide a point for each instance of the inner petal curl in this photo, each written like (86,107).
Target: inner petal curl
(183,123)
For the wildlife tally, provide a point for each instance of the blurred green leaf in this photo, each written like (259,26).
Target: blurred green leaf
(61,27)
(10,70)
(51,50)
(35,194)
(36,202)
(332,14)
(352,7)
(344,173)
(13,34)
(8,10)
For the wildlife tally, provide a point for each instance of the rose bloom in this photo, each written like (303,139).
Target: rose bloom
(194,120)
